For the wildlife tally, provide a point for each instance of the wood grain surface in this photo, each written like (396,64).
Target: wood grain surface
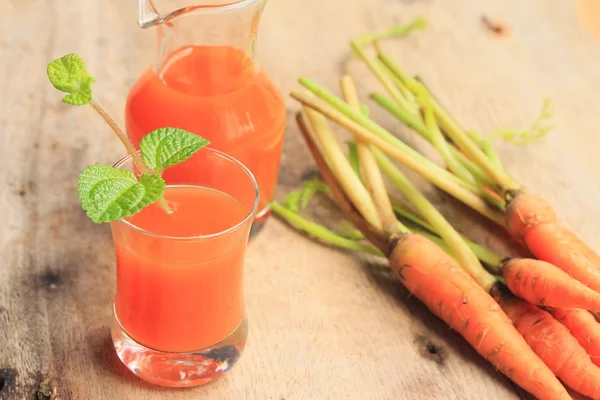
(324,324)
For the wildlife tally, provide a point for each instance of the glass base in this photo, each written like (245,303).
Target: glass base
(259,221)
(179,369)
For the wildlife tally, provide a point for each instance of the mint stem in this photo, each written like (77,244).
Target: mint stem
(135,156)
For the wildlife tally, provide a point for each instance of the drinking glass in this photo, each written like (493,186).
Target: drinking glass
(179,313)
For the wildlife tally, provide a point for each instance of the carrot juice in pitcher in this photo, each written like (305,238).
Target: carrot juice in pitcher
(206,80)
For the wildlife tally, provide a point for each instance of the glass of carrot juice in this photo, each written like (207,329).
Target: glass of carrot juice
(179,309)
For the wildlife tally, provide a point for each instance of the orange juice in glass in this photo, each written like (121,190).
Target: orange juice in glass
(179,308)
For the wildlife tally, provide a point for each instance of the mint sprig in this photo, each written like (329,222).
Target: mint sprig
(107,193)
(165,147)
(69,74)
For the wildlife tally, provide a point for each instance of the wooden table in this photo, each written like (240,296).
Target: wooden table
(324,324)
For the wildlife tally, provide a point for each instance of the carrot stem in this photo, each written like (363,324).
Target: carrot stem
(383,77)
(457,134)
(418,126)
(411,120)
(135,156)
(477,172)
(321,233)
(406,155)
(489,150)
(373,235)
(341,168)
(351,234)
(414,123)
(403,212)
(456,244)
(339,111)
(484,254)
(408,95)
(448,152)
(439,142)
(437,240)
(395,31)
(364,109)
(407,112)
(370,170)
(353,159)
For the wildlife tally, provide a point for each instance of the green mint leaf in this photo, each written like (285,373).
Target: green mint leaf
(69,74)
(109,194)
(169,146)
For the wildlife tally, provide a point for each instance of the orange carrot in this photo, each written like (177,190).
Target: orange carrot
(542,283)
(437,280)
(532,220)
(526,210)
(453,298)
(584,327)
(528,218)
(553,343)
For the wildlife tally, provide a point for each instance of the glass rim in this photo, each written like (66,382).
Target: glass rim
(230,229)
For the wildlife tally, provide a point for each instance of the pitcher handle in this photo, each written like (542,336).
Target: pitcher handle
(147,16)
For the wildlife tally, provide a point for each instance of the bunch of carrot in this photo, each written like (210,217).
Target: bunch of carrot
(530,317)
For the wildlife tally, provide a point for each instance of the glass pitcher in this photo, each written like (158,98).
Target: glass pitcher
(205,79)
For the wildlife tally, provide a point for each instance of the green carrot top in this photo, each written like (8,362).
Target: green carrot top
(107,193)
